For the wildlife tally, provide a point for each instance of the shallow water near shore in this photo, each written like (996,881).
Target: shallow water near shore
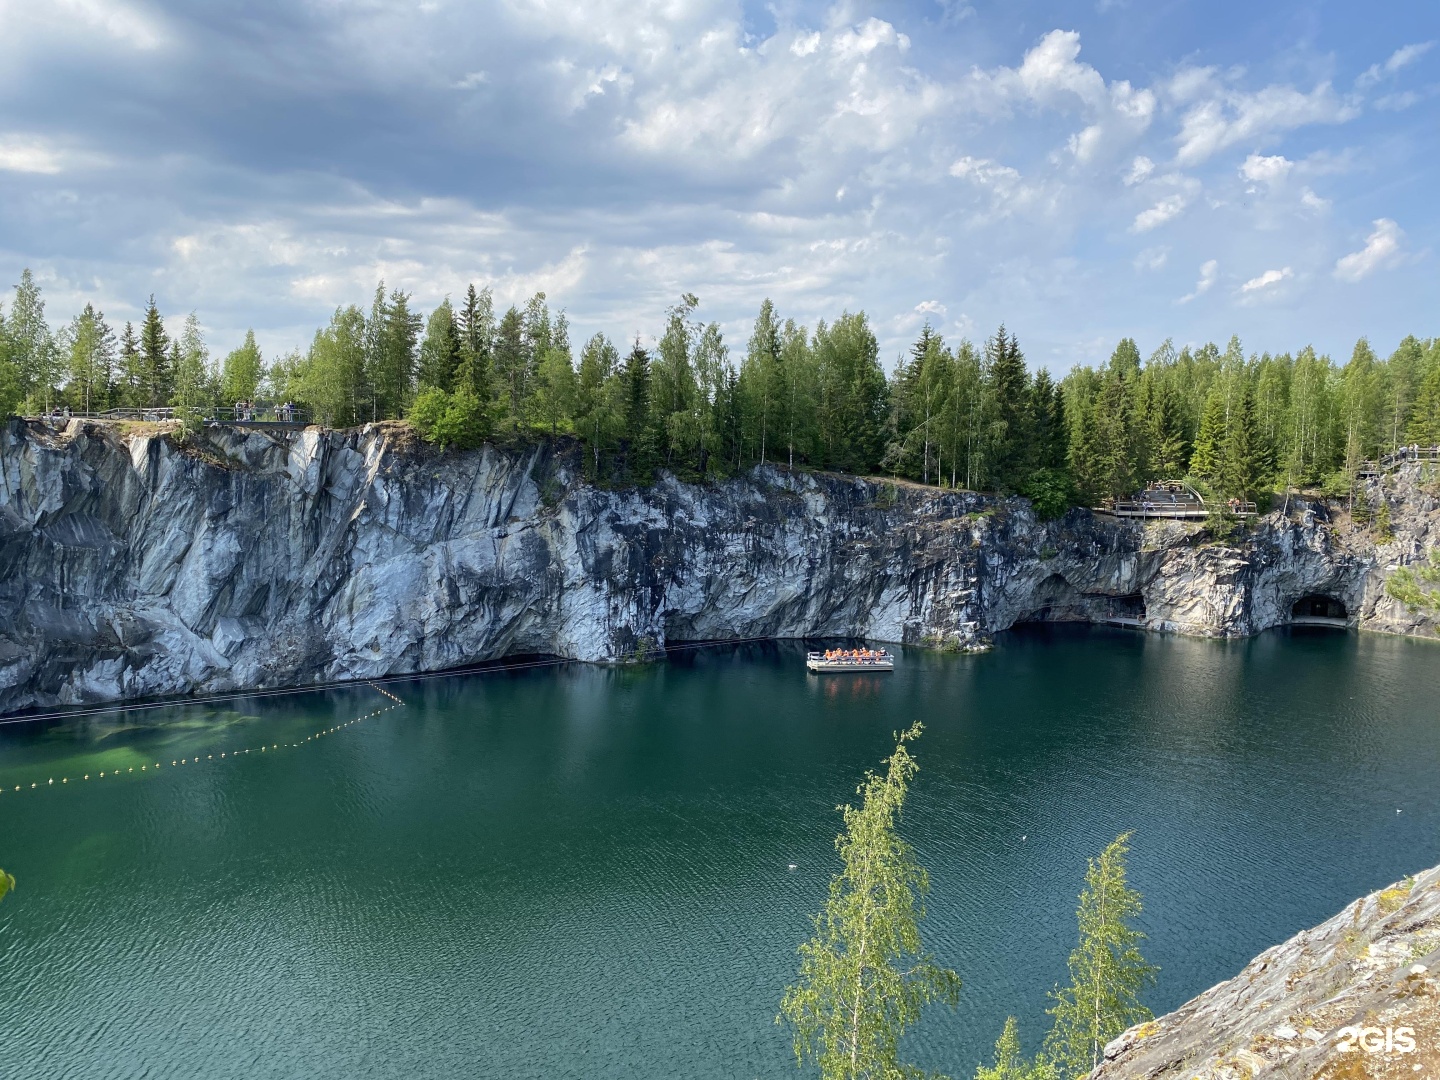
(581,872)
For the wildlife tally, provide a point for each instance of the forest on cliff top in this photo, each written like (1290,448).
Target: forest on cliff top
(962,415)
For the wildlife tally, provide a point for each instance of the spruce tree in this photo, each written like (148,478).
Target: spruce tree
(1011,424)
(476,325)
(156,368)
(864,977)
(440,351)
(1107,972)
(639,427)
(1209,456)
(131,390)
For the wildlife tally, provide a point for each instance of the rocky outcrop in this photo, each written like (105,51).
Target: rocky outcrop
(133,566)
(1357,996)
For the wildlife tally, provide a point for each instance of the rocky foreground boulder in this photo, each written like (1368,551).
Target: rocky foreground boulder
(134,565)
(1357,996)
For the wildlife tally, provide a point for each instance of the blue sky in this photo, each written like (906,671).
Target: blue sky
(1153,168)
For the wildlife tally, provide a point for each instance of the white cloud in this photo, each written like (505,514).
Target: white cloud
(805,44)
(1140,170)
(1382,249)
(20,154)
(1266,280)
(31,154)
(1165,210)
(1400,58)
(1312,202)
(931,307)
(1209,272)
(1152,259)
(471,80)
(120,22)
(1229,117)
(986,173)
(1267,170)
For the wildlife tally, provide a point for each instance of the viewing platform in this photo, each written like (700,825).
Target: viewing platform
(283,417)
(839,660)
(1393,460)
(1175,500)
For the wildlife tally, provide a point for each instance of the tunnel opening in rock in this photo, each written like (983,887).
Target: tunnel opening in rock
(1125,610)
(1317,609)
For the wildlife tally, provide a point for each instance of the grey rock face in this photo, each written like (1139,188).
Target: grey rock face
(1318,1005)
(131,567)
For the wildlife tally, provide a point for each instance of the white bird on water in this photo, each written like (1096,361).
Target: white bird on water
(792,866)
(1022,838)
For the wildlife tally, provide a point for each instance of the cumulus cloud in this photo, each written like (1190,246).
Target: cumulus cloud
(1140,170)
(1167,209)
(1267,280)
(1226,116)
(1381,250)
(618,152)
(1209,272)
(1266,170)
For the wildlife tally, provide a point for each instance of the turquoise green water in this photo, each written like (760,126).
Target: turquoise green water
(575,872)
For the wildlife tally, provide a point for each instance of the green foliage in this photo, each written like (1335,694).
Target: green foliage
(1010,1064)
(863,977)
(1050,492)
(957,416)
(241,372)
(157,376)
(450,420)
(1384,531)
(1418,586)
(7,884)
(1107,972)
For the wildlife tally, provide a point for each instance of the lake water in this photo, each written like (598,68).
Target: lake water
(577,872)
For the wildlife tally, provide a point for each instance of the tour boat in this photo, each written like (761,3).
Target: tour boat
(850,660)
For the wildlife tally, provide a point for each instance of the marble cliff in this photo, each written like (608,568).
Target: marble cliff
(132,566)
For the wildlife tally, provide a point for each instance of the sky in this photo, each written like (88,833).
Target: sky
(1081,172)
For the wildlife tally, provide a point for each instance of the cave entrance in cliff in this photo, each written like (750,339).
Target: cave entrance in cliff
(1319,610)
(1125,610)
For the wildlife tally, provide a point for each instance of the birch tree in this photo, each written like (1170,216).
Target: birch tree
(864,977)
(1107,971)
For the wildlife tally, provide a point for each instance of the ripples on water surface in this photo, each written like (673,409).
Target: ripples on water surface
(577,872)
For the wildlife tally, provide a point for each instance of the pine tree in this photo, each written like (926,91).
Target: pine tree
(864,977)
(1107,971)
(155,359)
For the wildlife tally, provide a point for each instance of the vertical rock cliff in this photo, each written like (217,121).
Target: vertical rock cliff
(132,566)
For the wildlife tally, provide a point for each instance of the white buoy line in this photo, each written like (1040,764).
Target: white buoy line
(224,755)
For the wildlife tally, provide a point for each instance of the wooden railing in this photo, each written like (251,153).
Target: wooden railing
(288,415)
(1396,458)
